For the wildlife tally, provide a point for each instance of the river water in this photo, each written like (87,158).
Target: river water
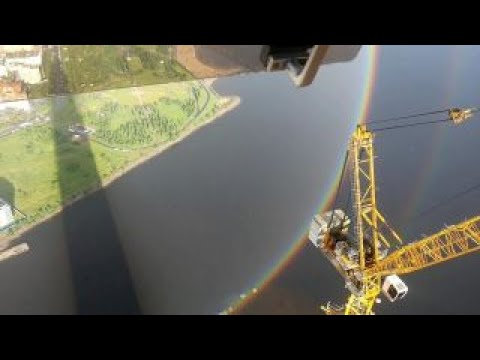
(421,173)
(191,229)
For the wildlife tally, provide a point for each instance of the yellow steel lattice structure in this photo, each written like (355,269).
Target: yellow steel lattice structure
(363,305)
(368,224)
(370,231)
(358,304)
(368,218)
(449,243)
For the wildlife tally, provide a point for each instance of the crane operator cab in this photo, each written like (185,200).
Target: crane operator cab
(322,223)
(329,233)
(394,288)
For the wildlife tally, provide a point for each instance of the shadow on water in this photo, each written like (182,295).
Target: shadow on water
(7,191)
(101,278)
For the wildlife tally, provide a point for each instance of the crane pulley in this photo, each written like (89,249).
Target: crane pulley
(364,261)
(458,115)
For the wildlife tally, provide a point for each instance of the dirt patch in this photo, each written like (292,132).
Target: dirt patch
(205,67)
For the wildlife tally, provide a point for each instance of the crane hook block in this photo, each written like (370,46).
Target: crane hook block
(458,115)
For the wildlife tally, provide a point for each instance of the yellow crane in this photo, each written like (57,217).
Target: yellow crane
(366,261)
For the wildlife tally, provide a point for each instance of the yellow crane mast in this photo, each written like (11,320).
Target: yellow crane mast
(364,261)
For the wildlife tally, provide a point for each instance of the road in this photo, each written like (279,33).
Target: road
(12,129)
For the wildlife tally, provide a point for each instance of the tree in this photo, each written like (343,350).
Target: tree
(135,65)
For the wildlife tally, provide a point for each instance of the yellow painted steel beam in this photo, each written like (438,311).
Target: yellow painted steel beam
(450,243)
(357,304)
(367,221)
(367,217)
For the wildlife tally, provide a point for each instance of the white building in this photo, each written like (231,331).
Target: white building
(16,48)
(6,215)
(27,68)
(24,60)
(3,70)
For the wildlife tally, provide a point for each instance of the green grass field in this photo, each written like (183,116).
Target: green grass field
(128,124)
(102,67)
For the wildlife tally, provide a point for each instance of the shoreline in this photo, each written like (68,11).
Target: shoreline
(234,101)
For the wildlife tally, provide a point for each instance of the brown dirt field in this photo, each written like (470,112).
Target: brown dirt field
(185,55)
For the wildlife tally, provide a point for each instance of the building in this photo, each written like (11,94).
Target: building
(3,68)
(27,68)
(8,49)
(11,87)
(12,90)
(6,215)
(23,60)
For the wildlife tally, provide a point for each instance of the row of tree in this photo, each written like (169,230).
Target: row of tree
(147,125)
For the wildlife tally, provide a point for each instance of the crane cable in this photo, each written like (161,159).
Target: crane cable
(401,126)
(342,174)
(446,200)
(443,202)
(408,116)
(349,197)
(409,125)
(347,206)
(472,111)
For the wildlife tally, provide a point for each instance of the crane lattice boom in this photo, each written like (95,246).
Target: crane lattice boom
(449,243)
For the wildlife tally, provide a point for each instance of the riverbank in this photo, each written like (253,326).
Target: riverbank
(234,101)
(230,103)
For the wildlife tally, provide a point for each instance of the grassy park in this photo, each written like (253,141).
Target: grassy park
(129,124)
